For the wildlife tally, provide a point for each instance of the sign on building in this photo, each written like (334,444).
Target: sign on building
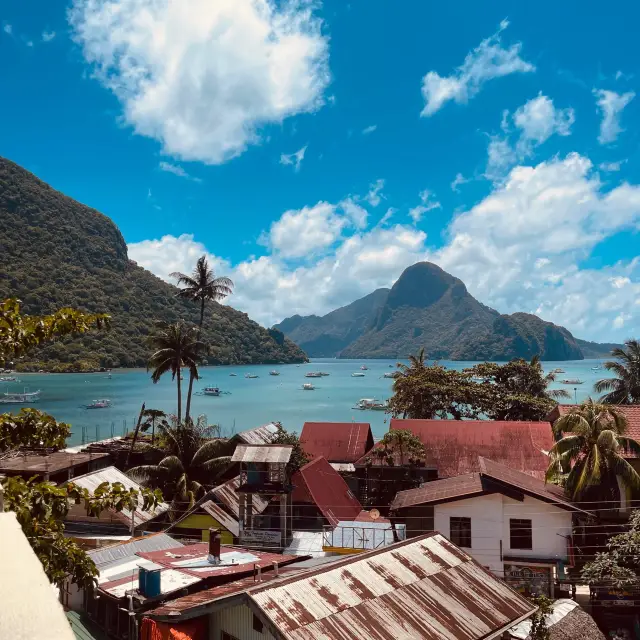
(261,537)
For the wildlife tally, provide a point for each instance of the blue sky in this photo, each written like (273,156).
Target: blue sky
(315,151)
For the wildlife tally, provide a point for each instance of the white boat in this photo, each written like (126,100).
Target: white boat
(572,381)
(20,398)
(9,379)
(99,404)
(357,374)
(250,375)
(391,374)
(371,404)
(211,391)
(313,374)
(233,375)
(364,367)
(558,371)
(307,386)
(274,373)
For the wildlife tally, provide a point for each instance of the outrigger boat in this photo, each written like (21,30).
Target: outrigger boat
(307,386)
(391,374)
(371,404)
(274,373)
(250,375)
(357,374)
(211,391)
(364,367)
(20,398)
(99,404)
(313,374)
(572,381)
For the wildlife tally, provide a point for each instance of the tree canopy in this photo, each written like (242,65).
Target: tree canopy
(624,388)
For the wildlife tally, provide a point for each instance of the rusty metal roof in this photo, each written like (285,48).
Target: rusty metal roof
(271,453)
(336,441)
(422,588)
(91,481)
(319,483)
(258,435)
(116,552)
(37,463)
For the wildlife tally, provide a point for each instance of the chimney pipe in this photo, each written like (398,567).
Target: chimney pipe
(275,568)
(214,546)
(259,576)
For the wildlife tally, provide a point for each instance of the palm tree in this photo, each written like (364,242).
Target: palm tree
(416,363)
(590,446)
(625,387)
(151,416)
(191,464)
(201,286)
(177,346)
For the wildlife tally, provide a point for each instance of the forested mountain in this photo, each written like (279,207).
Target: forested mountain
(56,252)
(427,307)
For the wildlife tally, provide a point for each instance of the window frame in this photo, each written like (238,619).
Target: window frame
(518,541)
(463,534)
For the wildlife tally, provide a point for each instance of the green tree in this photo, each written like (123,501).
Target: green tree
(176,345)
(191,464)
(619,565)
(151,416)
(31,428)
(201,286)
(400,447)
(41,508)
(625,387)
(299,457)
(19,332)
(539,627)
(587,458)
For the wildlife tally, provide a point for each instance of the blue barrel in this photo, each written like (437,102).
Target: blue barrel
(152,585)
(142,580)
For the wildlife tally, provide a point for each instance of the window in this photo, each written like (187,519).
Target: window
(460,529)
(521,534)
(257,624)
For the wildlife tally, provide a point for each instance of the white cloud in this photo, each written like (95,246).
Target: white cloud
(367,130)
(620,319)
(295,159)
(177,171)
(611,166)
(48,36)
(458,181)
(374,197)
(7,28)
(29,43)
(487,61)
(611,105)
(390,212)
(204,78)
(533,124)
(428,202)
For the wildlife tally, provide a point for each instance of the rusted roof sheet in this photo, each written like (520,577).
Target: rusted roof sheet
(116,552)
(258,435)
(422,588)
(36,463)
(630,411)
(465,486)
(272,453)
(229,522)
(336,441)
(227,495)
(319,483)
(91,481)
(453,446)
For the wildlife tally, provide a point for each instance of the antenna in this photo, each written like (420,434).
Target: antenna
(374,514)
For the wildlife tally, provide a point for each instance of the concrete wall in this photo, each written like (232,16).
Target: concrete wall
(238,622)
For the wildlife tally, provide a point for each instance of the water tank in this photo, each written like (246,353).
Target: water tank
(152,583)
(142,580)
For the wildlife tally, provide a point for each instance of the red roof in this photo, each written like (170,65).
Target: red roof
(336,441)
(453,446)
(320,484)
(631,411)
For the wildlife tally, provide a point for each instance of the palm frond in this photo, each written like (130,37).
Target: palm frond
(148,474)
(210,449)
(629,445)
(625,471)
(215,466)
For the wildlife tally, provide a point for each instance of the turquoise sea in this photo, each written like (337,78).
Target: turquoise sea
(246,402)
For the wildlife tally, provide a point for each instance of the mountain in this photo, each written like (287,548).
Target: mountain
(326,336)
(595,350)
(427,307)
(56,252)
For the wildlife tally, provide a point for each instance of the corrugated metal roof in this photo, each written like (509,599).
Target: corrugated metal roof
(258,435)
(320,484)
(336,441)
(229,522)
(38,464)
(272,453)
(116,552)
(422,588)
(453,446)
(91,481)
(630,411)
(467,485)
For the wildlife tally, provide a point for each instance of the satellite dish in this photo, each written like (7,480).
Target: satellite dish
(374,514)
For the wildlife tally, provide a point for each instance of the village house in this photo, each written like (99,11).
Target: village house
(264,434)
(425,587)
(513,524)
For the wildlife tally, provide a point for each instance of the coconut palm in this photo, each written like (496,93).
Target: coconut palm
(416,363)
(201,286)
(625,387)
(177,346)
(590,446)
(192,464)
(151,416)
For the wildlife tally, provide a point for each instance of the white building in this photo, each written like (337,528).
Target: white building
(513,524)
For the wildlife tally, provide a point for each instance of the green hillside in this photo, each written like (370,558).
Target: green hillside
(56,252)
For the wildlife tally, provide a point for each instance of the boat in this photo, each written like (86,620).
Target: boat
(595,368)
(364,367)
(324,373)
(313,374)
(572,381)
(20,398)
(391,374)
(211,391)
(233,375)
(274,373)
(307,386)
(371,404)
(99,404)
(250,375)
(357,374)
(558,371)
(9,379)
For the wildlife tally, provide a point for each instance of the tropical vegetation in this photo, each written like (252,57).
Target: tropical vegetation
(588,457)
(624,388)
(202,286)
(192,462)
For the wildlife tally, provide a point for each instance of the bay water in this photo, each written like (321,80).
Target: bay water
(245,402)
